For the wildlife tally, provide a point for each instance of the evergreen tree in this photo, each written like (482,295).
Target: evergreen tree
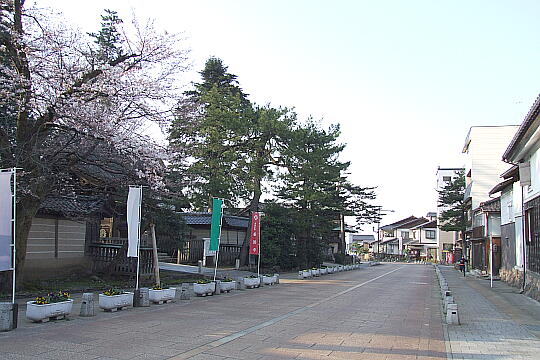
(451,199)
(316,187)
(208,136)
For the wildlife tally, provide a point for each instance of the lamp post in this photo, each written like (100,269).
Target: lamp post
(379,226)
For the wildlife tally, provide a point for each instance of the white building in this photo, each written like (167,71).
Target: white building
(483,166)
(524,152)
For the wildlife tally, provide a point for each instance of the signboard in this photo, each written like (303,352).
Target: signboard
(133,220)
(207,251)
(254,240)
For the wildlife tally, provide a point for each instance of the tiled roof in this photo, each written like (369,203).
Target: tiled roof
(388,240)
(501,186)
(362,237)
(493,205)
(205,218)
(533,113)
(397,223)
(412,223)
(429,224)
(72,206)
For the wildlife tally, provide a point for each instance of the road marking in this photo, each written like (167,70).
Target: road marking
(229,338)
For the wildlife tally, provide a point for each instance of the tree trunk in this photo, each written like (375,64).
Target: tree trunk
(253,207)
(26,210)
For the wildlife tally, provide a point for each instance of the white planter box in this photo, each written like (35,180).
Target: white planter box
(227,286)
(329,270)
(115,302)
(46,312)
(315,272)
(306,274)
(161,296)
(204,289)
(252,282)
(323,271)
(269,280)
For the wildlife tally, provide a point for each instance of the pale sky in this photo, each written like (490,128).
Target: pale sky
(405,79)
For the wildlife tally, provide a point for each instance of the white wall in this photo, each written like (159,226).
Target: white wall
(507,213)
(486,148)
(533,190)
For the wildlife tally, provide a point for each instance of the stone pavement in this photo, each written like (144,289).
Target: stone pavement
(208,271)
(496,323)
(384,312)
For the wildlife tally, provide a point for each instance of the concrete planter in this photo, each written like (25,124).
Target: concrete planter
(204,289)
(115,302)
(48,312)
(269,280)
(252,282)
(227,286)
(161,296)
(315,272)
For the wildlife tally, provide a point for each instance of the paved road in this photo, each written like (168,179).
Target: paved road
(383,312)
(495,325)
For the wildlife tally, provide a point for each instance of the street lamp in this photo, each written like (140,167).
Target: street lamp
(379,226)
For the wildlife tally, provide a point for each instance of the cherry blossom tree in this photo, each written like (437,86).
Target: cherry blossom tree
(73,103)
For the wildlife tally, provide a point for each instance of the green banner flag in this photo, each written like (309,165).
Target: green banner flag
(215,229)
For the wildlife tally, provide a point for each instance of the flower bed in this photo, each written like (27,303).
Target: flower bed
(252,282)
(204,287)
(50,307)
(269,279)
(113,300)
(227,285)
(159,295)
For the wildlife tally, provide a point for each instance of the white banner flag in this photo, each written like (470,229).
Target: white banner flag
(133,220)
(6,208)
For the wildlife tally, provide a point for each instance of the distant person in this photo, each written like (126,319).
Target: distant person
(462,263)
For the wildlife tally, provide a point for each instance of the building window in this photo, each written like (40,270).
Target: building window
(430,234)
(404,234)
(447,178)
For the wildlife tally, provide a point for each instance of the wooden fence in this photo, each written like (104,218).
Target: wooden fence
(194,248)
(109,256)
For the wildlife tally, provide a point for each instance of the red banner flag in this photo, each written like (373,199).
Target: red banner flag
(255,235)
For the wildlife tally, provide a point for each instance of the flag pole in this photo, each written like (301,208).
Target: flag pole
(139,241)
(259,245)
(219,240)
(14,219)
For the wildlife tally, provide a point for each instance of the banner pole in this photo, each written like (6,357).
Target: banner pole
(14,219)
(259,245)
(139,241)
(219,241)
(259,262)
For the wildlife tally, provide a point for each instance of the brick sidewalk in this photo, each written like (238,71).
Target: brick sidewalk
(388,312)
(485,332)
